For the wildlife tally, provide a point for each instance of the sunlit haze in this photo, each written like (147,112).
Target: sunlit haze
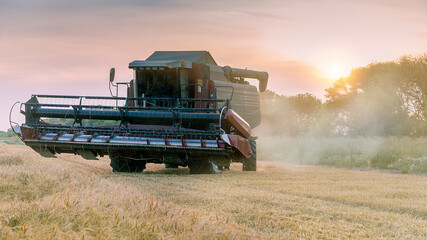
(335,70)
(67,47)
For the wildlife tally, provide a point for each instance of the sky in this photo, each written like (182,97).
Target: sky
(68,47)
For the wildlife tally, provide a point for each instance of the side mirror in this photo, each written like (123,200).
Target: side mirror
(112,73)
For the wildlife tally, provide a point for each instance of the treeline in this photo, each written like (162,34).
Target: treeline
(9,133)
(381,99)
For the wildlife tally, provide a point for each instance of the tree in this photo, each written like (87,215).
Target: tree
(387,98)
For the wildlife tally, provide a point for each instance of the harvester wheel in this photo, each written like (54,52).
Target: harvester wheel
(167,165)
(224,168)
(126,165)
(249,164)
(203,166)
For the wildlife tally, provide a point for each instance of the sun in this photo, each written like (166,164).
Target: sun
(335,70)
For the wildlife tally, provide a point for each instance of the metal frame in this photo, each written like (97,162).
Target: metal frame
(172,109)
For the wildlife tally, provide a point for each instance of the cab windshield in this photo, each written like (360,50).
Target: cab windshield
(158,83)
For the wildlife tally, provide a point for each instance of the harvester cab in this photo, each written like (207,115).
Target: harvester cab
(181,109)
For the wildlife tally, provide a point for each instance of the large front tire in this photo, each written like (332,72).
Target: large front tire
(120,164)
(167,165)
(249,164)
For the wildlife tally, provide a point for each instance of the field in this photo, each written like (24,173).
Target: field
(72,198)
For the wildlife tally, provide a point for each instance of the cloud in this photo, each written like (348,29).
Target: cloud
(83,5)
(262,14)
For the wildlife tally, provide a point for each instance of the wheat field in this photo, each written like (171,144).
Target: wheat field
(72,198)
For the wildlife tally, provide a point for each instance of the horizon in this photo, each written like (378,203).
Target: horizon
(52,47)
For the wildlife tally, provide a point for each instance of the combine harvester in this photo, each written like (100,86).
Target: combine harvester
(181,109)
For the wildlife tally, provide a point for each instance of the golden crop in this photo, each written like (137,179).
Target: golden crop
(71,198)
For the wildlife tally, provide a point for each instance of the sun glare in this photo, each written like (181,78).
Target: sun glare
(335,70)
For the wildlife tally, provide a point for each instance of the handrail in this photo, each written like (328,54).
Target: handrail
(122,107)
(127,98)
